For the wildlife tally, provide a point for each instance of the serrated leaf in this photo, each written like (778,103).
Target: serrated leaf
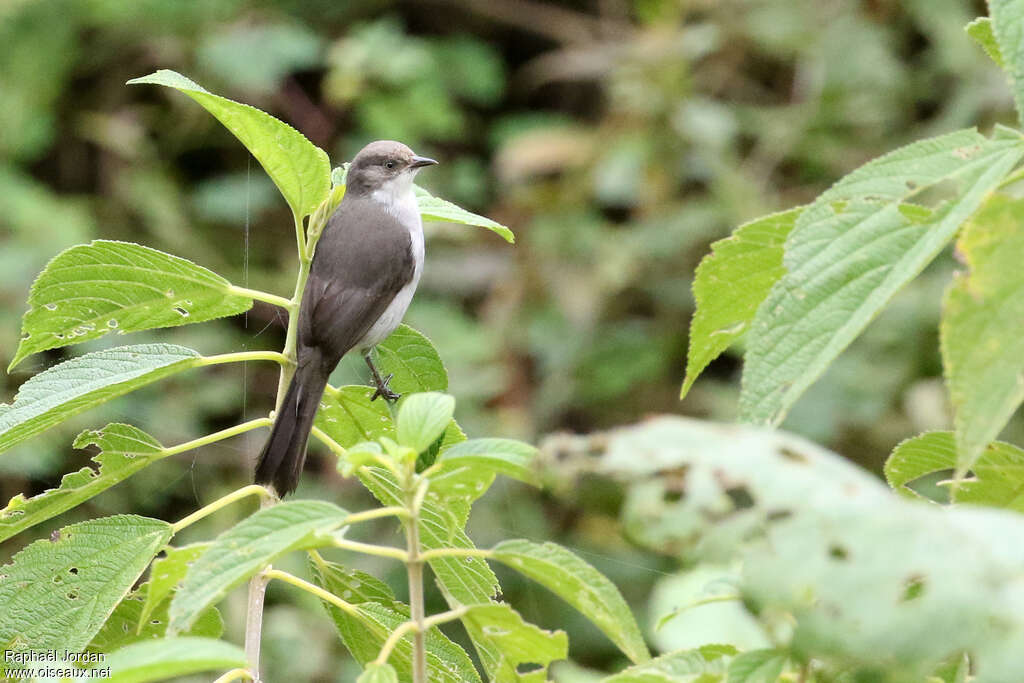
(730,283)
(436,209)
(243,550)
(850,251)
(1008,29)
(413,361)
(167,572)
(707,663)
(94,289)
(998,479)
(982,327)
(981,31)
(521,645)
(158,660)
(423,418)
(756,666)
(378,673)
(461,463)
(299,168)
(348,416)
(78,384)
(56,593)
(130,622)
(124,450)
(578,583)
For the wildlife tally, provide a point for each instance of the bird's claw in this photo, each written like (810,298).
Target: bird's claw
(383,390)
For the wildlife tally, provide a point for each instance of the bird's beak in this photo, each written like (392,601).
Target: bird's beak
(420,162)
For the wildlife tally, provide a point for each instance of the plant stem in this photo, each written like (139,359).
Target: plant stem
(292,335)
(254,611)
(234,675)
(262,296)
(376,513)
(218,436)
(319,592)
(428,623)
(242,356)
(454,552)
(414,569)
(250,490)
(369,549)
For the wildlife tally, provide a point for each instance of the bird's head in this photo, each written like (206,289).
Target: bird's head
(384,166)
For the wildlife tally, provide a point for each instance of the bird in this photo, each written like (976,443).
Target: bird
(362,278)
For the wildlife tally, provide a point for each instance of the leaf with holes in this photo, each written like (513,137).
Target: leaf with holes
(78,384)
(158,660)
(852,250)
(348,416)
(579,584)
(299,168)
(131,622)
(525,650)
(757,666)
(705,664)
(124,450)
(167,572)
(413,360)
(56,593)
(93,289)
(423,418)
(1008,29)
(246,548)
(982,328)
(730,283)
(460,464)
(436,209)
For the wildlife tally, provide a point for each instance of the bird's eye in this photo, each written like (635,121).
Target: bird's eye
(389,164)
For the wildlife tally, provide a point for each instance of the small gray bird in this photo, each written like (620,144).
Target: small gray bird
(363,276)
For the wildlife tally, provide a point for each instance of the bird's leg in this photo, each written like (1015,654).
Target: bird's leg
(382,384)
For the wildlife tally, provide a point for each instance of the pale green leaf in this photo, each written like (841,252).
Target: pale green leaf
(981,31)
(521,645)
(423,418)
(730,283)
(130,622)
(436,209)
(78,384)
(124,450)
(94,289)
(460,463)
(348,416)
(243,550)
(982,327)
(378,673)
(704,664)
(158,660)
(413,360)
(299,168)
(854,248)
(1008,28)
(757,666)
(578,583)
(56,593)
(918,456)
(167,572)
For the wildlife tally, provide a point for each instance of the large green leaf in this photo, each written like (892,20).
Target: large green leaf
(522,646)
(705,664)
(167,572)
(93,289)
(579,584)
(1008,27)
(131,622)
(423,418)
(56,593)
(413,360)
(78,384)
(124,450)
(436,209)
(851,250)
(299,168)
(730,283)
(158,660)
(982,328)
(348,416)
(246,548)
(462,463)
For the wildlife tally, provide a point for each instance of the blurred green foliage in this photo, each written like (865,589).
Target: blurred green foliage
(618,138)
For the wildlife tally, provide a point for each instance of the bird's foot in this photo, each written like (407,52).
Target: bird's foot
(384,391)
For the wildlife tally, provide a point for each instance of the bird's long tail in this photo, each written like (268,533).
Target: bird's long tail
(280,462)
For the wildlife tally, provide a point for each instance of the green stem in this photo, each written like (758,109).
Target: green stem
(234,675)
(376,514)
(261,296)
(414,570)
(331,444)
(454,552)
(411,626)
(319,592)
(292,334)
(217,436)
(242,356)
(370,549)
(250,490)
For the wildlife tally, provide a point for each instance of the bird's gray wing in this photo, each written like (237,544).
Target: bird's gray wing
(362,260)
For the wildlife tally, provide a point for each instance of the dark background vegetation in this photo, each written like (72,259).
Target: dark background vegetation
(618,138)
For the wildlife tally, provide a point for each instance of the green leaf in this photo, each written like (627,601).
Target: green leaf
(981,31)
(423,418)
(982,327)
(435,209)
(246,548)
(730,283)
(158,660)
(167,572)
(704,664)
(130,622)
(299,168)
(522,645)
(378,673)
(124,450)
(757,666)
(78,384)
(854,248)
(348,416)
(413,360)
(998,479)
(93,289)
(1008,28)
(579,584)
(461,463)
(56,593)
